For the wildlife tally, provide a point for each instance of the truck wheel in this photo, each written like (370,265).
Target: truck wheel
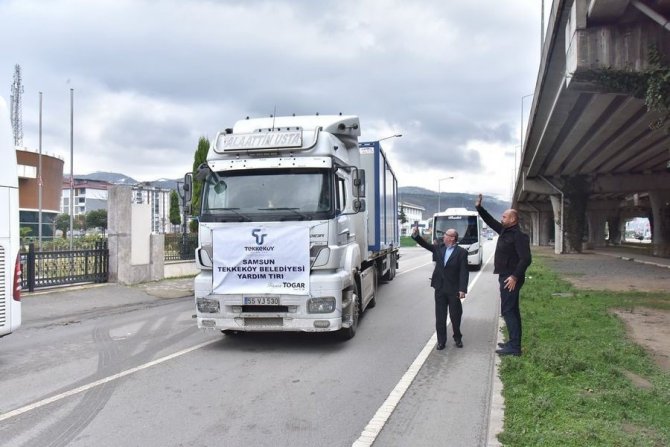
(390,274)
(349,332)
(231,332)
(373,301)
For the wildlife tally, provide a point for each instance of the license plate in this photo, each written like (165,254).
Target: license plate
(262,300)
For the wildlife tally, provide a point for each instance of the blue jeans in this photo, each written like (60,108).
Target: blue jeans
(509,309)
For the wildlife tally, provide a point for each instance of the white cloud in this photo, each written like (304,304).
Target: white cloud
(151,77)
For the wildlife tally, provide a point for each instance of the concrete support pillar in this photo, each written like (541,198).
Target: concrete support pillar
(660,233)
(546,227)
(557,206)
(135,255)
(534,218)
(596,222)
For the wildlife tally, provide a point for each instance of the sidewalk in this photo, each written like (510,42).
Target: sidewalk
(628,253)
(67,304)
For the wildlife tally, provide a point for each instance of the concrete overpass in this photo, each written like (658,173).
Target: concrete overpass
(588,136)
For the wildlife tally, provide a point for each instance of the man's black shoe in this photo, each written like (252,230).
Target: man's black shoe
(440,346)
(502,345)
(459,343)
(508,351)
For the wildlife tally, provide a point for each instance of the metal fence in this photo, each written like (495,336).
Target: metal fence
(59,267)
(180,247)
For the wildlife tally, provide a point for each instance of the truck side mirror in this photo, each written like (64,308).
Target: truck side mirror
(188,191)
(359,183)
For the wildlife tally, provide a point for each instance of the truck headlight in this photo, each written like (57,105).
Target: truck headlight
(207,306)
(321,305)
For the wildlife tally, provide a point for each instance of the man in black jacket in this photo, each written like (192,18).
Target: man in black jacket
(450,281)
(512,258)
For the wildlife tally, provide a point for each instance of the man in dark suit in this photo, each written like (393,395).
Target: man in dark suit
(510,262)
(450,281)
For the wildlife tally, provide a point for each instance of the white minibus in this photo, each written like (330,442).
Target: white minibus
(10,266)
(468,224)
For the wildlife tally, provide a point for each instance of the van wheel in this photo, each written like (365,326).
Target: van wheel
(349,332)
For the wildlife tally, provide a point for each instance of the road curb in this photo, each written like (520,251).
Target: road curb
(628,258)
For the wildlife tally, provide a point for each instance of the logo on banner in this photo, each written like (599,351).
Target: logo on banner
(259,238)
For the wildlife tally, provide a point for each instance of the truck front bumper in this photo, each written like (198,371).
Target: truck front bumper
(229,312)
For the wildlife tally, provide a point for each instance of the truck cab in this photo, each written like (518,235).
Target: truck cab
(283,228)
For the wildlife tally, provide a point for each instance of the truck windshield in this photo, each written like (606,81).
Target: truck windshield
(286,194)
(466,226)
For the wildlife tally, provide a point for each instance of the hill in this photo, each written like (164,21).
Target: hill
(122,179)
(429,200)
(410,194)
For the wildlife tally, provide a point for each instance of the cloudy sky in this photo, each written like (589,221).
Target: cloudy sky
(151,77)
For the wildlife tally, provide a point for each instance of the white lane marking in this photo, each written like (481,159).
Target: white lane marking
(381,417)
(412,269)
(87,387)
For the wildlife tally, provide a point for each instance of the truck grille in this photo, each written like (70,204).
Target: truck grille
(264,322)
(270,309)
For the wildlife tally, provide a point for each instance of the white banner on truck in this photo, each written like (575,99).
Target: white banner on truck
(261,259)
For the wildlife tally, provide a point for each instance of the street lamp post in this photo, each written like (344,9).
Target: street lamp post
(439,191)
(390,136)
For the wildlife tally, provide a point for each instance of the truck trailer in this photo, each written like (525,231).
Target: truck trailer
(298,225)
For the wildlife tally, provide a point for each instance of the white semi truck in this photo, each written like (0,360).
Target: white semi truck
(10,267)
(298,224)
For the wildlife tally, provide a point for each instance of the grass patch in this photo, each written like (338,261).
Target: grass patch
(407,241)
(570,387)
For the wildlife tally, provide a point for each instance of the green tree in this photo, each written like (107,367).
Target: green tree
(402,216)
(175,217)
(199,158)
(62,223)
(24,234)
(97,219)
(80,222)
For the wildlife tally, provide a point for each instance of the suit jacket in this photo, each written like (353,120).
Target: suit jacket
(453,277)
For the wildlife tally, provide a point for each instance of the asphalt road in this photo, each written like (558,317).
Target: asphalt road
(142,374)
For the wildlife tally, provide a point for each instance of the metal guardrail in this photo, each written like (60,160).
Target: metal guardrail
(60,267)
(180,247)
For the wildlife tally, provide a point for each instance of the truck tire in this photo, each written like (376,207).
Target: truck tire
(231,332)
(390,274)
(348,333)
(373,301)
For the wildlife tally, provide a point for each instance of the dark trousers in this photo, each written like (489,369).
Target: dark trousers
(509,309)
(452,304)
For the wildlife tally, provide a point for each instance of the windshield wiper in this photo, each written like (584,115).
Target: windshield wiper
(294,210)
(234,210)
